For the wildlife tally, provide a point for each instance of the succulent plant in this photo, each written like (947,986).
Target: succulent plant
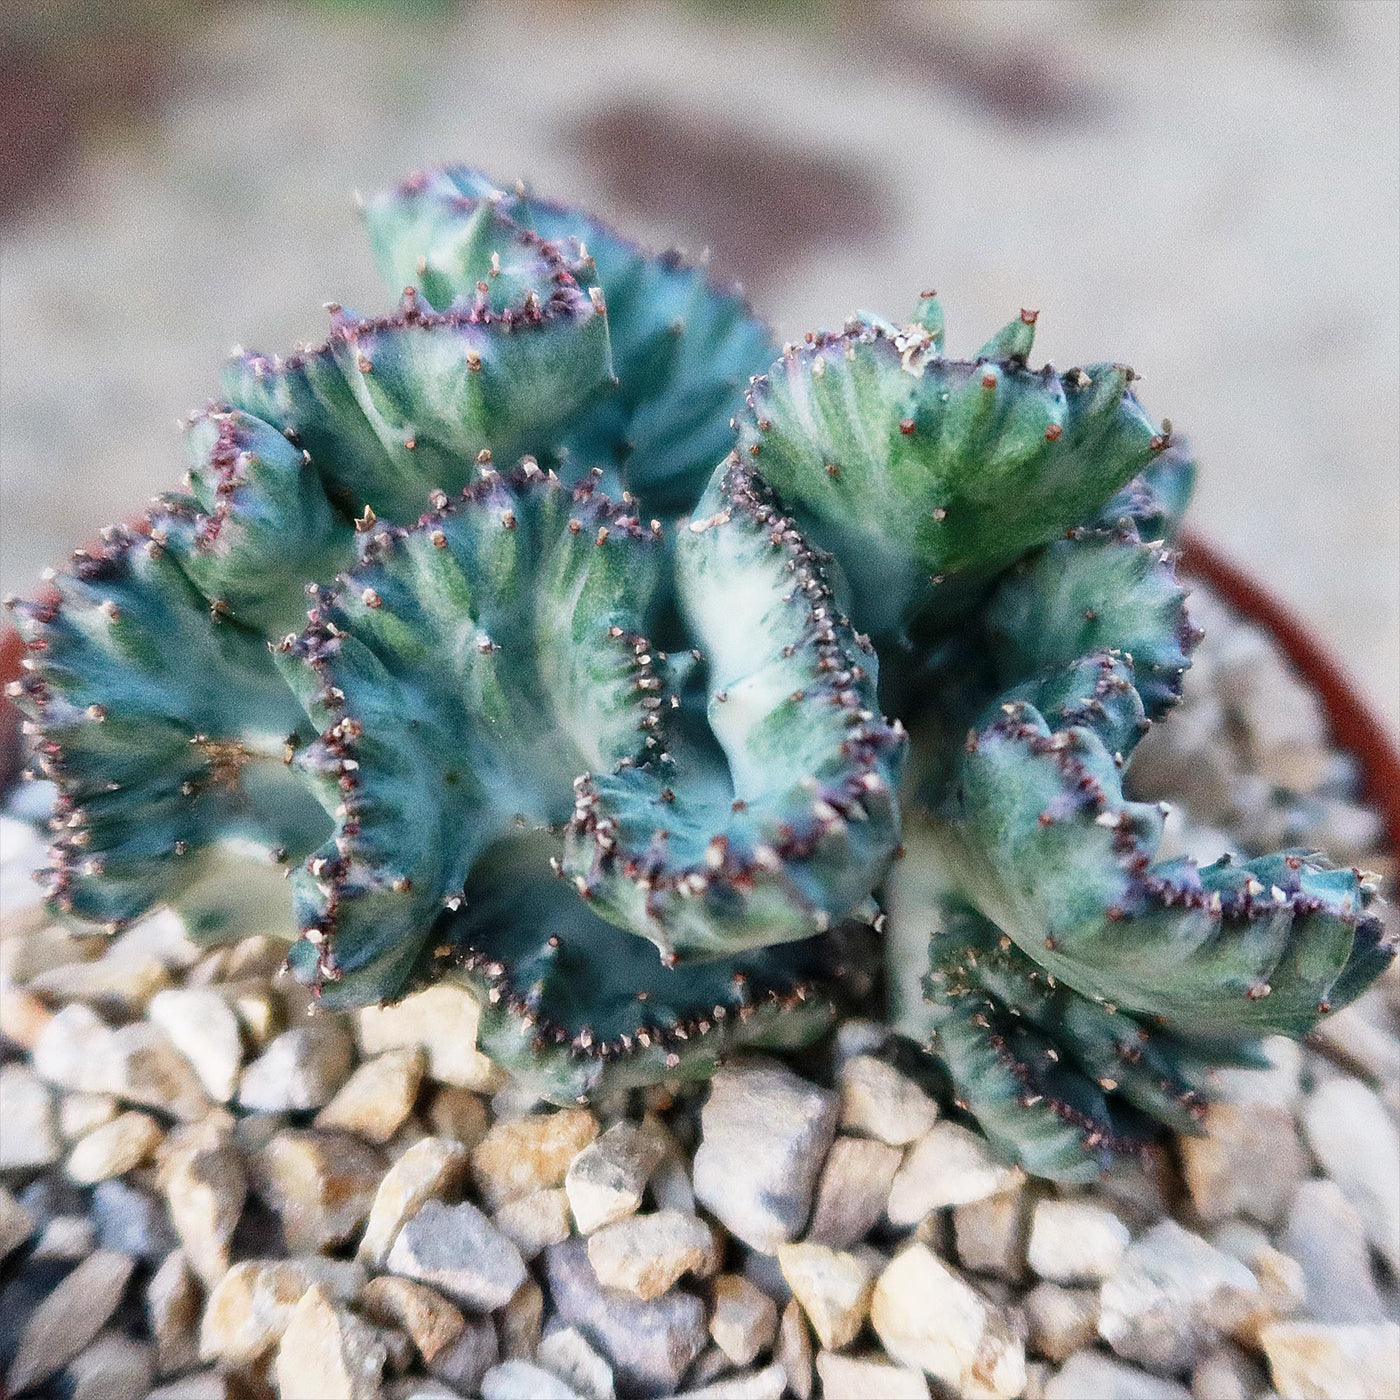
(545,632)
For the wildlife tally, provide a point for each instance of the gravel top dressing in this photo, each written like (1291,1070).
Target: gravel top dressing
(211,1193)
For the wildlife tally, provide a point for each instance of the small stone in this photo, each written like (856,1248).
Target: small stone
(521,1380)
(1280,1279)
(80,1114)
(203,1027)
(531,1153)
(833,1288)
(78,1050)
(853,1191)
(145,1068)
(868,1378)
(326,1354)
(205,1187)
(249,1310)
(259,1013)
(1281,1291)
(174,1300)
(122,984)
(31,1138)
(646,1254)
(68,1319)
(321,1185)
(990,1235)
(164,936)
(1075,1241)
(374,1102)
(458,1114)
(114,1367)
(430,1169)
(1089,1375)
(301,1069)
(1355,1141)
(949,1166)
(131,1221)
(1326,1235)
(765,1134)
(767,1384)
(66,1237)
(794,1350)
(442,1021)
(650,1344)
(1172,1297)
(926,1316)
(1226,1374)
(114,1149)
(16,1224)
(1327,1361)
(521,1322)
(430,1320)
(745,1319)
(1061,1320)
(1247,1162)
(535,1221)
(606,1180)
(880,1102)
(458,1251)
(566,1352)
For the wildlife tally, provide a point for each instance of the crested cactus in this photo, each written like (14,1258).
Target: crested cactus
(559,635)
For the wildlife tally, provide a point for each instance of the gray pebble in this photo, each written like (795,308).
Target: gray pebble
(649,1344)
(765,1135)
(458,1251)
(132,1221)
(1172,1297)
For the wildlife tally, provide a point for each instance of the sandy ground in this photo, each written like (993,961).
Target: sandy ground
(1209,191)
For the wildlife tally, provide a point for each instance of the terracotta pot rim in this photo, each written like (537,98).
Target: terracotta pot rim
(1356,726)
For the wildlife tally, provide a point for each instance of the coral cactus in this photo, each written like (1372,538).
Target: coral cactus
(594,609)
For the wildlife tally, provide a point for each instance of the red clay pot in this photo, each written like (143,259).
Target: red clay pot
(1356,727)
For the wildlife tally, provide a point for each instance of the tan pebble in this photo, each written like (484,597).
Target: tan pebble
(833,1288)
(432,1321)
(378,1097)
(328,1354)
(114,1149)
(531,1153)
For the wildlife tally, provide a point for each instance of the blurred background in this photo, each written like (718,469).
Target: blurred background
(1207,189)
